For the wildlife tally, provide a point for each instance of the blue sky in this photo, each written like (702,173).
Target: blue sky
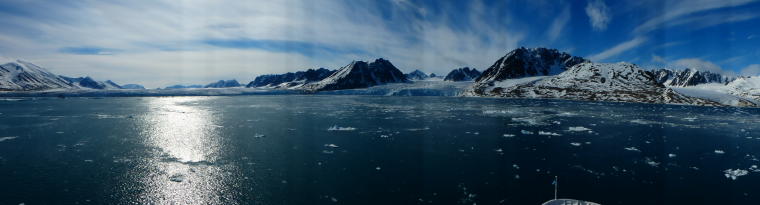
(157,43)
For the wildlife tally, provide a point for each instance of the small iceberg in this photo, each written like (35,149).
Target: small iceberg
(548,133)
(633,149)
(336,128)
(177,177)
(717,151)
(578,129)
(7,138)
(331,145)
(575,144)
(526,132)
(734,173)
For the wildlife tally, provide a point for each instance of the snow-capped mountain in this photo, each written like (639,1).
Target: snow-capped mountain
(359,74)
(183,86)
(133,87)
(24,76)
(290,79)
(689,77)
(619,82)
(88,82)
(462,74)
(223,84)
(527,62)
(416,75)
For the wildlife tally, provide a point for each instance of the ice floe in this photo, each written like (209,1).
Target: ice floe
(734,173)
(651,162)
(336,128)
(717,151)
(526,132)
(548,133)
(578,129)
(418,129)
(258,135)
(577,144)
(7,138)
(177,177)
(508,135)
(331,145)
(671,155)
(634,149)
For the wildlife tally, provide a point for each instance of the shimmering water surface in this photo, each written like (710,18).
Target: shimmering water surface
(372,150)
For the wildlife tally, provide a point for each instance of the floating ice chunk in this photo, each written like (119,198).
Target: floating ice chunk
(378,168)
(508,135)
(499,150)
(515,166)
(690,119)
(753,168)
(418,129)
(331,145)
(575,144)
(177,177)
(7,138)
(717,151)
(651,162)
(526,132)
(517,176)
(671,155)
(333,199)
(578,129)
(327,152)
(384,136)
(548,133)
(88,160)
(734,173)
(258,135)
(336,128)
(634,149)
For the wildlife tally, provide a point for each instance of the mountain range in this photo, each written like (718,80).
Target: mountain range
(521,73)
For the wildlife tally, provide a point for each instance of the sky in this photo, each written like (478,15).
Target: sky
(158,43)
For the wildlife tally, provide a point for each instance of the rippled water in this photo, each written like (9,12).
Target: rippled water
(372,150)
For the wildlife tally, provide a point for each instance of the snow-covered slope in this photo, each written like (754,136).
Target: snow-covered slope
(133,87)
(416,75)
(415,88)
(223,84)
(526,62)
(290,80)
(359,74)
(689,77)
(620,82)
(88,82)
(22,76)
(462,74)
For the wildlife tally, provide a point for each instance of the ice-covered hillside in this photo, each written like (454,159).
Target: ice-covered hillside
(619,82)
(415,88)
(359,74)
(24,76)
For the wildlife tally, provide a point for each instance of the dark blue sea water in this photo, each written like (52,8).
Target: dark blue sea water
(373,150)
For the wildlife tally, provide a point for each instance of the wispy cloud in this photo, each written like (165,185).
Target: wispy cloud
(559,23)
(618,49)
(87,50)
(284,35)
(751,70)
(682,8)
(599,14)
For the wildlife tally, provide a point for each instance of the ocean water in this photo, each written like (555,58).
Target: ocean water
(373,150)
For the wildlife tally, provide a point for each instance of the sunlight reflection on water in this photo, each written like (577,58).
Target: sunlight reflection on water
(187,145)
